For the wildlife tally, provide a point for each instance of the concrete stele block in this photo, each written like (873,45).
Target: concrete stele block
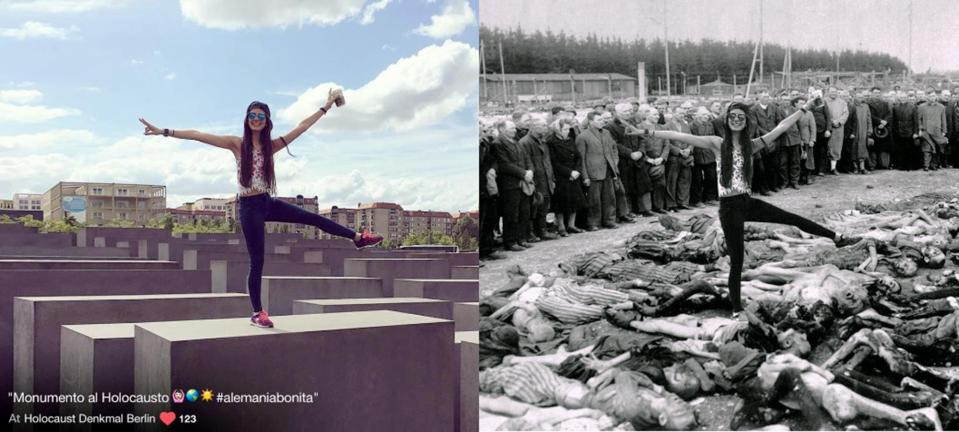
(419,306)
(389,269)
(37,321)
(85,264)
(363,371)
(467,391)
(41,282)
(464,272)
(466,315)
(454,290)
(279,292)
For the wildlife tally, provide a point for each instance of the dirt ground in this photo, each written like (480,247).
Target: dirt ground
(828,195)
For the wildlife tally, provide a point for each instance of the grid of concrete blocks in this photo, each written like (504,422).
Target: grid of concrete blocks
(381,340)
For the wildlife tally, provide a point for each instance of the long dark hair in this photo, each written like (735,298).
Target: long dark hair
(745,143)
(266,149)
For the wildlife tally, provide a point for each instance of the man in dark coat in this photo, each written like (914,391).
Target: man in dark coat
(535,144)
(820,113)
(952,147)
(515,168)
(704,186)
(626,145)
(845,163)
(766,115)
(489,194)
(905,131)
(881,120)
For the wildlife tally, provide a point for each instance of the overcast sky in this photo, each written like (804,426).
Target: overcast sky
(77,74)
(872,25)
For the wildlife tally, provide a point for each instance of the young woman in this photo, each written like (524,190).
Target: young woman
(734,171)
(254,161)
(568,198)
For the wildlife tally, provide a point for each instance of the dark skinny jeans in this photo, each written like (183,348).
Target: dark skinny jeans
(255,211)
(734,211)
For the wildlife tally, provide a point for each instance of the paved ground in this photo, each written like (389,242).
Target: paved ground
(828,195)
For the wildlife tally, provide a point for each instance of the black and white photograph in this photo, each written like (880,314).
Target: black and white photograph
(719,215)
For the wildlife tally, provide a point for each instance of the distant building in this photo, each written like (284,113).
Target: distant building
(210,204)
(552,87)
(389,220)
(27,201)
(6,204)
(100,203)
(231,210)
(187,217)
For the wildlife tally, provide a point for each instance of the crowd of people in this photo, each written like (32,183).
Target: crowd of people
(596,170)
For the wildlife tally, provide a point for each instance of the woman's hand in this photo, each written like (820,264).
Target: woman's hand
(332,97)
(150,129)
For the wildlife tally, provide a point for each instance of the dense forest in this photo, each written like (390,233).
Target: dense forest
(558,53)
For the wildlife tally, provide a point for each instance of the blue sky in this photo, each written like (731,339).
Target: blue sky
(78,74)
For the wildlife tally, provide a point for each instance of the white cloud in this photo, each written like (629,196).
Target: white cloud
(445,194)
(32,113)
(170,76)
(371,9)
(238,14)
(136,62)
(414,92)
(69,138)
(388,47)
(59,6)
(20,96)
(33,29)
(457,15)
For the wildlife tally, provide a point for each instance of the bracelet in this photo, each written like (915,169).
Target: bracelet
(323,109)
(166,132)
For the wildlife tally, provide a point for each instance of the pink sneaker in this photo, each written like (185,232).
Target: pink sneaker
(367,239)
(261,319)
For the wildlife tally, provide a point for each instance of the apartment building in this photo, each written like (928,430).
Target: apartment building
(186,217)
(100,203)
(231,209)
(27,201)
(389,220)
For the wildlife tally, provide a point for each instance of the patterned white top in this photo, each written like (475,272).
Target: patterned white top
(257,179)
(737,184)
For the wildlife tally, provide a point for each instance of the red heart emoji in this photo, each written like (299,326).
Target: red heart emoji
(167,417)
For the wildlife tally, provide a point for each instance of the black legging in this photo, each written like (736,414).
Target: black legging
(738,209)
(255,212)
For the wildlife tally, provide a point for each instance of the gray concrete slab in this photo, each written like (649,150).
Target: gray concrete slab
(464,272)
(454,290)
(37,321)
(27,238)
(17,283)
(389,269)
(419,306)
(467,391)
(354,371)
(143,241)
(85,264)
(65,252)
(279,292)
(231,276)
(455,258)
(466,315)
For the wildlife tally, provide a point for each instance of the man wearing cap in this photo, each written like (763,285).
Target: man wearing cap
(791,150)
(881,122)
(906,132)
(703,188)
(514,169)
(766,115)
(807,140)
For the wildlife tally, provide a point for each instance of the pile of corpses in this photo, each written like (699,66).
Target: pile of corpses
(859,337)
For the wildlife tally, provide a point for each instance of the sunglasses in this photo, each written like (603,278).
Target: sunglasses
(256,116)
(739,117)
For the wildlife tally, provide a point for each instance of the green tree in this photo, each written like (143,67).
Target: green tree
(465,231)
(6,219)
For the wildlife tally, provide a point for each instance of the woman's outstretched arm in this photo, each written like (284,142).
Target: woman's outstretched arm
(221,141)
(703,142)
(279,144)
(787,122)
